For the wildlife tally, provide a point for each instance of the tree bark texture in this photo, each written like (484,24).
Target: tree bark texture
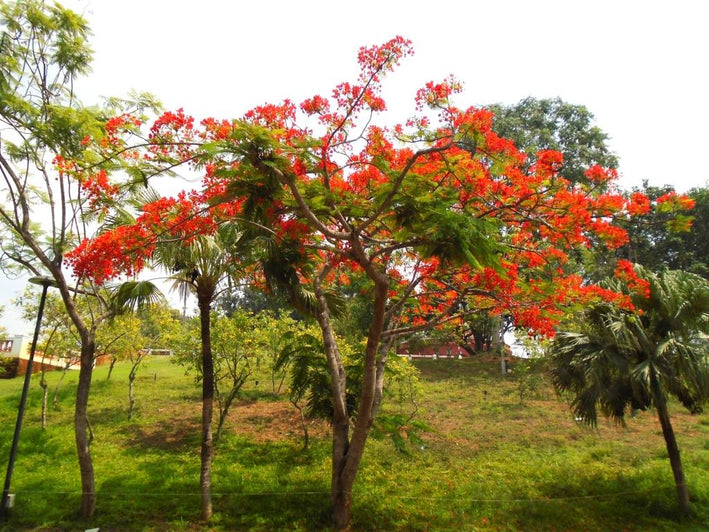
(672,447)
(205,478)
(82,430)
(45,398)
(347,451)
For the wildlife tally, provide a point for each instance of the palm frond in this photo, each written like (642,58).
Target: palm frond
(612,363)
(132,295)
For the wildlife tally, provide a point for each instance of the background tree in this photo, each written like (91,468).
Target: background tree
(696,246)
(121,338)
(235,354)
(659,238)
(252,299)
(536,125)
(269,333)
(623,359)
(57,340)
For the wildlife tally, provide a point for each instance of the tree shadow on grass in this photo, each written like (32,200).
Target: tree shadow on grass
(570,500)
(302,507)
(166,490)
(252,484)
(574,500)
(177,435)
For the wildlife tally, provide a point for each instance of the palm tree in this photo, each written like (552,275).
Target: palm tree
(200,267)
(623,360)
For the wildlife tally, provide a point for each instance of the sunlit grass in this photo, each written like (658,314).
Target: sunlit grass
(493,460)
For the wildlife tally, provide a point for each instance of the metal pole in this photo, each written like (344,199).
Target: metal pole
(23,400)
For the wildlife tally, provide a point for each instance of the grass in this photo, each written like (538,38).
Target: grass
(495,459)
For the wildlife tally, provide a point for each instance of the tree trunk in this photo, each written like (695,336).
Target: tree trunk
(347,452)
(131,399)
(114,359)
(672,447)
(131,383)
(341,486)
(205,478)
(340,490)
(303,425)
(81,428)
(224,410)
(55,395)
(45,397)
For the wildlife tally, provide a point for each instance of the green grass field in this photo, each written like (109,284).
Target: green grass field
(503,453)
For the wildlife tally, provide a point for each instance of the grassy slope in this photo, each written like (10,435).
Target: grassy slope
(489,463)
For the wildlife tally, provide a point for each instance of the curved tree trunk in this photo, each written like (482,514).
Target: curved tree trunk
(205,478)
(672,447)
(82,429)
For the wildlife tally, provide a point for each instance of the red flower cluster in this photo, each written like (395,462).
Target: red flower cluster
(122,251)
(99,190)
(636,284)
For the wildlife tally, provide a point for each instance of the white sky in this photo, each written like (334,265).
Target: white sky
(641,67)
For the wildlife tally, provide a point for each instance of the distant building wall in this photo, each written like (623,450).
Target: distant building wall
(15,354)
(449,350)
(14,346)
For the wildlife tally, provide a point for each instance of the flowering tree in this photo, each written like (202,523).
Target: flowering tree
(52,186)
(438,215)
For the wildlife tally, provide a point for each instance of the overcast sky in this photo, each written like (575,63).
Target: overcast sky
(639,66)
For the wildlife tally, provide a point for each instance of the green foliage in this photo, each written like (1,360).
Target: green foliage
(8,367)
(251,299)
(58,336)
(553,124)
(659,238)
(121,337)
(694,255)
(402,429)
(43,48)
(272,335)
(400,420)
(161,326)
(611,362)
(132,295)
(354,322)
(304,355)
(529,375)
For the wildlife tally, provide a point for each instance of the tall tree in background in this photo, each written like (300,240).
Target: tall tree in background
(536,125)
(633,359)
(696,245)
(673,234)
(552,124)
